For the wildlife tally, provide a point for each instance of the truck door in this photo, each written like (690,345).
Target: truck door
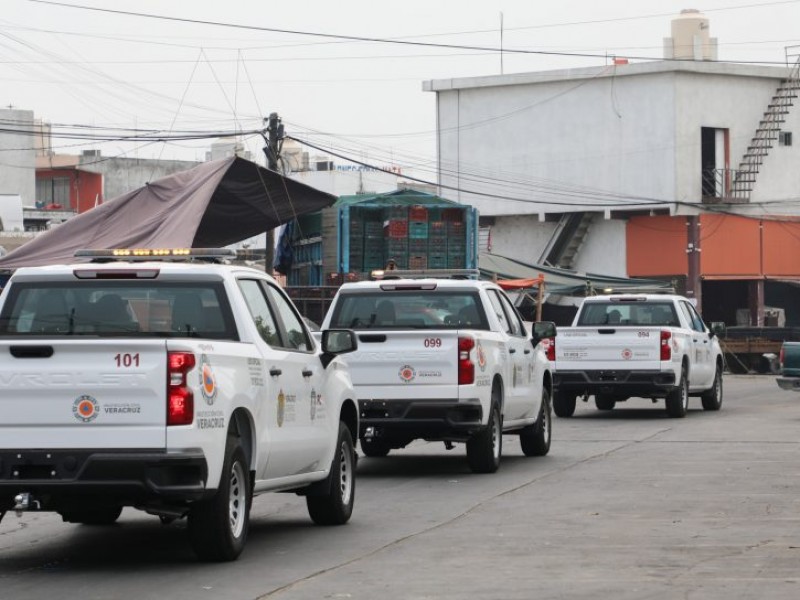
(516,382)
(284,422)
(700,371)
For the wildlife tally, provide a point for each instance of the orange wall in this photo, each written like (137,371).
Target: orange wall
(656,246)
(730,245)
(781,248)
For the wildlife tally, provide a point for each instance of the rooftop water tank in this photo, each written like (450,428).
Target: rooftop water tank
(691,38)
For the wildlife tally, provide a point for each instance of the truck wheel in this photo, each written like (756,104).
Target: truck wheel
(678,399)
(105,515)
(535,439)
(335,505)
(374,448)
(603,402)
(564,404)
(712,399)
(218,526)
(484,448)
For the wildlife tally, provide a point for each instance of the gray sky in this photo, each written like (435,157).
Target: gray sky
(85,67)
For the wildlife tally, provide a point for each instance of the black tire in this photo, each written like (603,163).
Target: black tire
(712,399)
(564,404)
(218,526)
(603,402)
(535,439)
(678,399)
(334,504)
(374,448)
(485,448)
(104,515)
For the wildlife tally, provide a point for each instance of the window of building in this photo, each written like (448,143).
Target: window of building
(785,138)
(53,191)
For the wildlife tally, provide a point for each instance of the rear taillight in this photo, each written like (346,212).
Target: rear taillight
(466,368)
(666,346)
(180,399)
(551,349)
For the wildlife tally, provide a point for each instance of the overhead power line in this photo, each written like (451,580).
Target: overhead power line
(358,38)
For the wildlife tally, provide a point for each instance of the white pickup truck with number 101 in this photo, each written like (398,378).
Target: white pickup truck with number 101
(159,380)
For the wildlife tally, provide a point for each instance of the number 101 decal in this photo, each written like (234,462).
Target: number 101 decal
(127,360)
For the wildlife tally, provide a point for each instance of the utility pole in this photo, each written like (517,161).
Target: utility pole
(272,152)
(693,282)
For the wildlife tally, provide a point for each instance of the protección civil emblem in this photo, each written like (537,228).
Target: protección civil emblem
(85,408)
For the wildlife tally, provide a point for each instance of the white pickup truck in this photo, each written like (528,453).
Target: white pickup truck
(445,360)
(179,389)
(650,346)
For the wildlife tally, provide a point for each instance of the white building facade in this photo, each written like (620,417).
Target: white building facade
(614,141)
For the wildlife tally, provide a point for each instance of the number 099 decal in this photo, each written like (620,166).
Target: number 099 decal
(433,342)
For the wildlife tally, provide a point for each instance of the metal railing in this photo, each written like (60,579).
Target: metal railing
(726,185)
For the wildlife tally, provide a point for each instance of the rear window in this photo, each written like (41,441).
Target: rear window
(409,310)
(628,313)
(118,308)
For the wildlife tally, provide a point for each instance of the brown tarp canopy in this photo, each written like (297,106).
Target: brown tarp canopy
(212,205)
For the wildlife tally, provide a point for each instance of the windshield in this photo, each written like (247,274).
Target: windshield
(121,308)
(628,313)
(409,310)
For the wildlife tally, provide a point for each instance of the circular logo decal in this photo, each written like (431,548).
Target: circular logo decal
(407,373)
(208,383)
(481,358)
(85,409)
(627,354)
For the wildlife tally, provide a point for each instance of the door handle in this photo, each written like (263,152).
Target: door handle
(512,350)
(307,372)
(274,372)
(527,351)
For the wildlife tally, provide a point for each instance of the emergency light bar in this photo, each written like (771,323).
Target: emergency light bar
(130,254)
(425,274)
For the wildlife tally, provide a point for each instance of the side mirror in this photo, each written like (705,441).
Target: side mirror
(717,328)
(336,342)
(542,330)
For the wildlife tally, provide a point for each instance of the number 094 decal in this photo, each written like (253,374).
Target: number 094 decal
(433,342)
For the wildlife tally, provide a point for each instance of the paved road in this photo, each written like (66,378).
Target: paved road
(629,505)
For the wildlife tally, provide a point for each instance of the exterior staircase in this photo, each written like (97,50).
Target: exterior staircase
(744,178)
(571,231)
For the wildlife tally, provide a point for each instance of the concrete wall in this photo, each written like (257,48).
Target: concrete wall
(737,103)
(18,155)
(122,175)
(559,141)
(11,213)
(559,145)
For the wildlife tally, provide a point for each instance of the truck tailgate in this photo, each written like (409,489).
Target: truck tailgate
(405,359)
(90,393)
(582,348)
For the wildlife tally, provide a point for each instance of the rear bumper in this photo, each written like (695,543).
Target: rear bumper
(405,420)
(615,382)
(63,477)
(789,383)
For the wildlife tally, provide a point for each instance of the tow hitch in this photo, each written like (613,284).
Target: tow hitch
(24,502)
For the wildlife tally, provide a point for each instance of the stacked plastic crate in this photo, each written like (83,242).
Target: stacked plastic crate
(437,242)
(396,234)
(456,238)
(373,244)
(356,240)
(417,237)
